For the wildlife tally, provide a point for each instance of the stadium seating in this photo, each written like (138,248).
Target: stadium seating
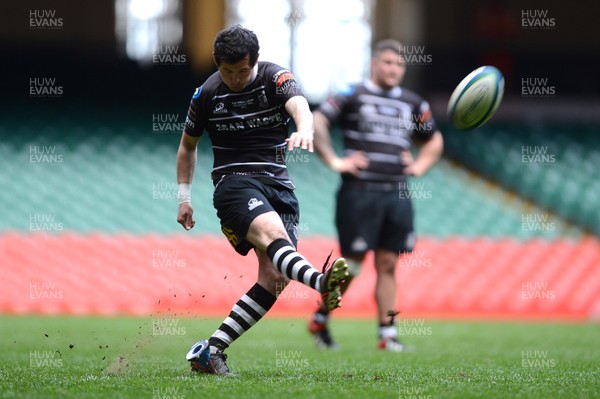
(190,276)
(93,230)
(123,180)
(555,167)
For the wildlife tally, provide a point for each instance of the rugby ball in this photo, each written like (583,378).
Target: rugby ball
(476,98)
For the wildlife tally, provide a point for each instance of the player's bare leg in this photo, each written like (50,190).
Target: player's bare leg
(207,356)
(385,284)
(265,229)
(267,233)
(278,261)
(268,276)
(385,295)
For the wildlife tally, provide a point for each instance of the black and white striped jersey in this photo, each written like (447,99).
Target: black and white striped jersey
(248,128)
(382,124)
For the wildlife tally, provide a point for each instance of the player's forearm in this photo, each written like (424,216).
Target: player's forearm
(299,110)
(186,164)
(323,144)
(186,158)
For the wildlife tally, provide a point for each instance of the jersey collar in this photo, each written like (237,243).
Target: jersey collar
(393,92)
(254,74)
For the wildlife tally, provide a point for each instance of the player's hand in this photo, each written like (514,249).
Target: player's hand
(351,164)
(412,168)
(185,215)
(302,139)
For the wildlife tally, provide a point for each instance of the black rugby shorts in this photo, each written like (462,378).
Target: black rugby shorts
(240,199)
(370,220)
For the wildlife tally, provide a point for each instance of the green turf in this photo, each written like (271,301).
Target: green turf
(61,357)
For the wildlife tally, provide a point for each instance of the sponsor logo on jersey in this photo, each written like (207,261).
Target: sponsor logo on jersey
(425,116)
(388,111)
(242,103)
(189,123)
(253,203)
(263,102)
(197,92)
(253,123)
(220,109)
(283,78)
(368,109)
(286,84)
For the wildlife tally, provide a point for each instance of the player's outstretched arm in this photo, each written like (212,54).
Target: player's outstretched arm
(428,155)
(299,110)
(186,164)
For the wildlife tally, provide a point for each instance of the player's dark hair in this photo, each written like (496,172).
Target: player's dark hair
(388,45)
(234,43)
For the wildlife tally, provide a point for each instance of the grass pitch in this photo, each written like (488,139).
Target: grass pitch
(93,357)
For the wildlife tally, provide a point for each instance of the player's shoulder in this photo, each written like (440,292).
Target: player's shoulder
(348,90)
(419,104)
(207,88)
(270,67)
(410,96)
(212,83)
(338,100)
(273,73)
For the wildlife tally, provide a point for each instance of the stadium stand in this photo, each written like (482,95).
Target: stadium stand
(92,230)
(122,180)
(190,276)
(553,167)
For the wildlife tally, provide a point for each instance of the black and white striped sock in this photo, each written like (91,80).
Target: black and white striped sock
(293,265)
(251,307)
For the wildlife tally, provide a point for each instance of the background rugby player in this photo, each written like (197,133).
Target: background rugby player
(379,120)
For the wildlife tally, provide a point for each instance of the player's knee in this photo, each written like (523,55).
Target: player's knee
(386,264)
(265,229)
